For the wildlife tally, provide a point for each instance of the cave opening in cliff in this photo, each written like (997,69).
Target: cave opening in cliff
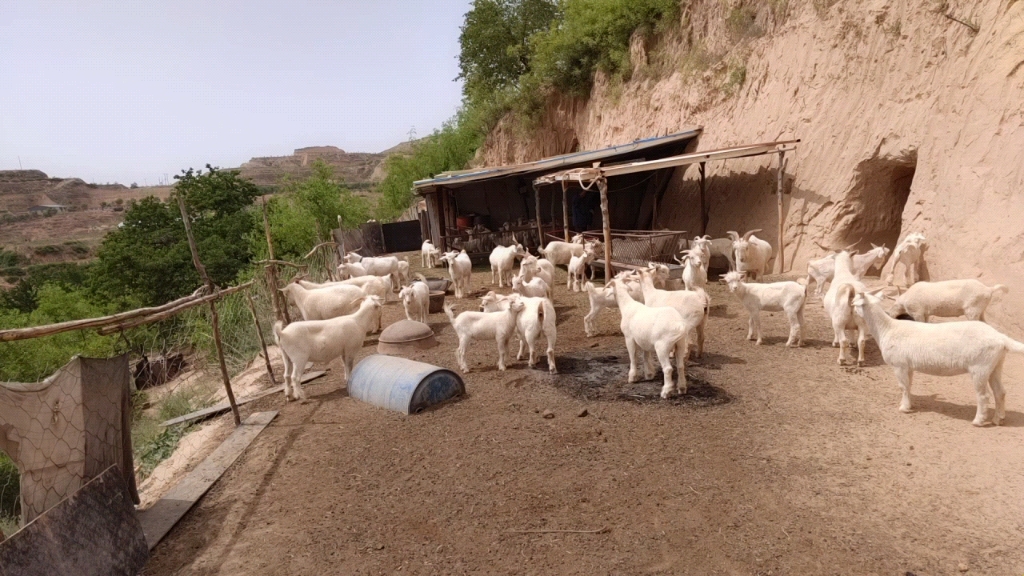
(877,200)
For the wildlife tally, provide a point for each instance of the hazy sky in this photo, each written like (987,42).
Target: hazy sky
(129,91)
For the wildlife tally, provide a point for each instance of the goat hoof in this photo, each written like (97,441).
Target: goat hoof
(758,342)
(906,409)
(979,424)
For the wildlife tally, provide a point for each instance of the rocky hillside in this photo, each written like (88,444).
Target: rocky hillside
(22,189)
(358,169)
(909,113)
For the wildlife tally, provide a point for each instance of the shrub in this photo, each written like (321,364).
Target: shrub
(48,250)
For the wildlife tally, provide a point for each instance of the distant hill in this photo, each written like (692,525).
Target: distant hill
(359,170)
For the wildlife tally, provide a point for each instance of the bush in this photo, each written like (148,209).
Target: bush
(10,495)
(303,207)
(10,258)
(594,35)
(48,250)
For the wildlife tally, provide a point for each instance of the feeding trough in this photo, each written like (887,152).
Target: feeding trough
(403,385)
(438,285)
(436,302)
(405,336)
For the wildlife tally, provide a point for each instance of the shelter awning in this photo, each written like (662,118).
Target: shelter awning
(576,159)
(590,174)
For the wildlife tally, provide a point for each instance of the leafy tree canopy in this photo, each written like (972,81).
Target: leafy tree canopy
(147,260)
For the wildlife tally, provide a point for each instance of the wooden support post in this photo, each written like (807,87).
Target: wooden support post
(602,185)
(565,209)
(280,304)
(778,192)
(703,201)
(540,228)
(214,318)
(259,332)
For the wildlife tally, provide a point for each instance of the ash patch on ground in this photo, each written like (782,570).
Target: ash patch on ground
(604,378)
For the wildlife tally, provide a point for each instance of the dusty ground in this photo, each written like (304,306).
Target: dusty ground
(782,463)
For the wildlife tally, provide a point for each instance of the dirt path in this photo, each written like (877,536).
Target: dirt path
(780,463)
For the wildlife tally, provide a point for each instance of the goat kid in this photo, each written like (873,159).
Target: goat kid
(788,297)
(653,332)
(497,326)
(538,316)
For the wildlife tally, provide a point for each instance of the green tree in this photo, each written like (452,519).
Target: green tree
(147,260)
(305,205)
(495,42)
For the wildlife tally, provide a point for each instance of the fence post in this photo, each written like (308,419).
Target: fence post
(214,318)
(602,185)
(259,332)
(565,209)
(280,304)
(782,220)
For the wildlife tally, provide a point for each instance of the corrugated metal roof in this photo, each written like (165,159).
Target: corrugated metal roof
(462,177)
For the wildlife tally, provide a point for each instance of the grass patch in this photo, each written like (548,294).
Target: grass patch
(154,443)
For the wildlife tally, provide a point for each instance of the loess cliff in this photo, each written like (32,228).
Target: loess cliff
(910,121)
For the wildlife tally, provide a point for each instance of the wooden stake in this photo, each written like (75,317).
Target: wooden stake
(169,312)
(259,332)
(778,193)
(214,318)
(280,304)
(703,201)
(602,185)
(540,228)
(565,209)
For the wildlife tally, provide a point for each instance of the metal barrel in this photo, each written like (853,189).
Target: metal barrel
(403,385)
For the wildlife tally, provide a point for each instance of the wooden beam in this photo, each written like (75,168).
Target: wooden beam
(609,272)
(540,227)
(158,519)
(703,200)
(565,209)
(259,332)
(132,323)
(224,406)
(214,317)
(782,160)
(49,329)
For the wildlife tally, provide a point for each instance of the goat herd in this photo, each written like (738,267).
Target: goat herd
(660,324)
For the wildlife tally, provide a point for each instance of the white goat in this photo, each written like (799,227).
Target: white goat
(659,274)
(531,266)
(416,299)
(692,306)
(578,268)
(946,299)
(497,326)
(560,253)
(536,288)
(702,244)
(788,297)
(372,285)
(503,259)
(538,316)
(838,306)
(403,272)
(752,254)
(823,269)
(721,247)
(331,301)
(323,341)
(605,298)
(695,272)
(352,257)
(384,265)
(428,255)
(653,331)
(943,349)
(910,253)
(460,267)
(347,270)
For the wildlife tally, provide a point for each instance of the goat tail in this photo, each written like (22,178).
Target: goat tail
(1014,346)
(1000,289)
(451,313)
(420,277)
(845,293)
(278,327)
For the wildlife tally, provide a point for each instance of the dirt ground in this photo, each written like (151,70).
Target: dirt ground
(776,462)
